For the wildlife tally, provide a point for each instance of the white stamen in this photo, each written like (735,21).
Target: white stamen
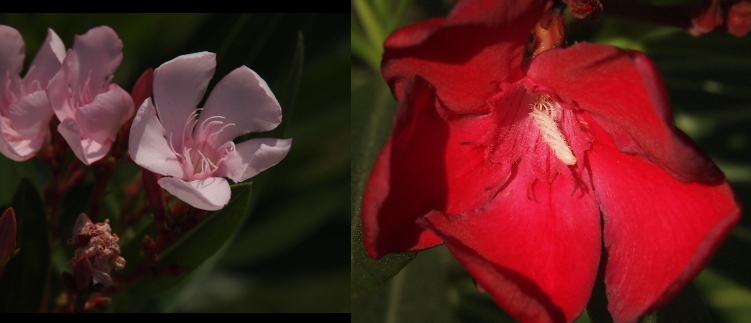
(207,160)
(544,114)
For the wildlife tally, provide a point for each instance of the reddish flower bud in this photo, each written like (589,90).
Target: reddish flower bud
(584,8)
(7,237)
(739,18)
(707,19)
(96,244)
(82,273)
(550,32)
(97,302)
(144,87)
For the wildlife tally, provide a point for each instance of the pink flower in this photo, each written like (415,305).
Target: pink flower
(97,244)
(90,109)
(24,108)
(170,136)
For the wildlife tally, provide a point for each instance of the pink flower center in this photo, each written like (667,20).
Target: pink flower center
(83,95)
(200,156)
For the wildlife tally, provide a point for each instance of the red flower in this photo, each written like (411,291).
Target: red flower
(531,170)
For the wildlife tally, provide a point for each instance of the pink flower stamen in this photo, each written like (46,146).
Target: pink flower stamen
(198,155)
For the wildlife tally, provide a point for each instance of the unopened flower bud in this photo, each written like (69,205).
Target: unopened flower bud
(739,18)
(96,245)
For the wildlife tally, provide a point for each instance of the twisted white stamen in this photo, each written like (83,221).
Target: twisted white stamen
(545,113)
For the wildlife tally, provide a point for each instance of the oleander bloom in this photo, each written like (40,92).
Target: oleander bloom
(25,111)
(193,148)
(534,170)
(90,108)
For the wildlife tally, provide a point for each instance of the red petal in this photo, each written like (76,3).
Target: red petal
(535,249)
(427,164)
(626,96)
(659,232)
(466,55)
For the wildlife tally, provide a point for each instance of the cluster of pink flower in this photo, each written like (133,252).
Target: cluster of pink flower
(168,135)
(541,171)
(192,148)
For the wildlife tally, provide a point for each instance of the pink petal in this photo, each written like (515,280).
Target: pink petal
(13,146)
(101,119)
(429,163)
(20,149)
(12,53)
(60,88)
(659,231)
(86,149)
(46,62)
(26,127)
(148,145)
(254,156)
(635,111)
(535,248)
(99,52)
(179,85)
(243,98)
(209,194)
(31,115)
(465,56)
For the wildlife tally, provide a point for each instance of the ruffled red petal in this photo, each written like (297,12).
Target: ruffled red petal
(626,96)
(535,249)
(659,232)
(466,55)
(427,164)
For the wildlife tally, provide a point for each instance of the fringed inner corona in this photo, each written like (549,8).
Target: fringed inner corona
(545,114)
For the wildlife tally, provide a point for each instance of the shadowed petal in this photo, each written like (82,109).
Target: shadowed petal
(466,55)
(47,61)
(15,146)
(242,98)
(430,162)
(12,53)
(254,156)
(31,115)
(60,88)
(659,232)
(535,249)
(148,146)
(209,194)
(179,85)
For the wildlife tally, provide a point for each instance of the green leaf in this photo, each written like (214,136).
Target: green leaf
(284,227)
(419,293)
(289,83)
(372,26)
(686,307)
(200,243)
(23,282)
